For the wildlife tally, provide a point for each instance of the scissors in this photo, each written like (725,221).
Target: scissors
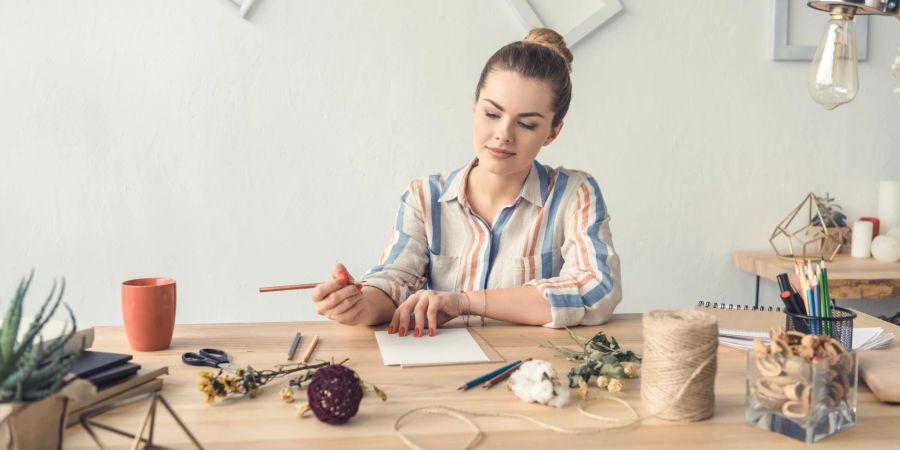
(210,357)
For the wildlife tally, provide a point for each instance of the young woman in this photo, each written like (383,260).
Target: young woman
(503,237)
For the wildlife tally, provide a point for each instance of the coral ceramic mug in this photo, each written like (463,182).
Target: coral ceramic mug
(148,310)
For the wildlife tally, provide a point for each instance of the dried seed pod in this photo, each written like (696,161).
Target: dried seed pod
(759,346)
(765,387)
(794,391)
(794,337)
(838,391)
(768,366)
(804,351)
(810,340)
(795,409)
(798,368)
(781,380)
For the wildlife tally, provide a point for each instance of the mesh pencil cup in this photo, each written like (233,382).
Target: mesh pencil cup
(838,326)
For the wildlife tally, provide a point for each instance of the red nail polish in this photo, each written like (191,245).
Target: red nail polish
(359,287)
(390,329)
(344,277)
(417,332)
(431,331)
(402,331)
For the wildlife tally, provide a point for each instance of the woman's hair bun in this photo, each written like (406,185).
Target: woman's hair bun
(552,40)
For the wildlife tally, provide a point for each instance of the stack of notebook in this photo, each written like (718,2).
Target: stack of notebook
(116,379)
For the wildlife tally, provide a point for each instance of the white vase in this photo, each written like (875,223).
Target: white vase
(886,248)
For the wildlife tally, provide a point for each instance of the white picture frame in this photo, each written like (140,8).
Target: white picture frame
(784,51)
(529,19)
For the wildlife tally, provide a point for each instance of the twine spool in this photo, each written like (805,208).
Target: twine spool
(678,370)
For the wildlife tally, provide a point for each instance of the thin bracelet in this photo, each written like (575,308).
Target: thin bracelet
(484,313)
(467,309)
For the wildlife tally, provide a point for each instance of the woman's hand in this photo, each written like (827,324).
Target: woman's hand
(431,309)
(341,298)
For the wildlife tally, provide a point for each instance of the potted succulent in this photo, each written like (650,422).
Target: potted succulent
(33,374)
(835,222)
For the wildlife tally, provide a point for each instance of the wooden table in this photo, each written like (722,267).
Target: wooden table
(848,277)
(265,422)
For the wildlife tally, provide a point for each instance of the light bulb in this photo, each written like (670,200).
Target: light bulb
(833,78)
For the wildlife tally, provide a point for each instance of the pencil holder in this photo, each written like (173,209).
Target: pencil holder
(803,398)
(838,326)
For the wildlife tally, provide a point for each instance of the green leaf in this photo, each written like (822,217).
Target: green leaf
(11,322)
(612,371)
(578,339)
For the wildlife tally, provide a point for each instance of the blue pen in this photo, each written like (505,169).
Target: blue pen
(487,376)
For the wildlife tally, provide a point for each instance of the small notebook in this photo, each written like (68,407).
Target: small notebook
(91,363)
(113,374)
(448,346)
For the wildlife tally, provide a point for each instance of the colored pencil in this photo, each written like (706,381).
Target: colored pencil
(504,375)
(309,350)
(294,287)
(288,287)
(475,382)
(828,312)
(294,346)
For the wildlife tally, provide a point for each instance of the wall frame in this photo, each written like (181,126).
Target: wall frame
(529,18)
(784,51)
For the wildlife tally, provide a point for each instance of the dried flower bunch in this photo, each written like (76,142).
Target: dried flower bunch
(248,381)
(785,366)
(600,357)
(337,393)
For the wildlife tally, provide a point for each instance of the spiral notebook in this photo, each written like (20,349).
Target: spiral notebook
(740,320)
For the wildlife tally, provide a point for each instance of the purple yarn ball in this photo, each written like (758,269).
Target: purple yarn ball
(334,394)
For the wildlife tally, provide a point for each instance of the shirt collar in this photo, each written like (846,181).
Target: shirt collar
(531,190)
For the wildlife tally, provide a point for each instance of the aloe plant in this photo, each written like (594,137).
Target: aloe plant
(830,213)
(31,371)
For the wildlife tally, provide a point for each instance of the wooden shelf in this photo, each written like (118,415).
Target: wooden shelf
(848,277)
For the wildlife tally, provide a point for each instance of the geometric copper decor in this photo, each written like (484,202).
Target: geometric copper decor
(803,240)
(88,421)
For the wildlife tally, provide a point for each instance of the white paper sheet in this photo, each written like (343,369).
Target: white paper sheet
(448,346)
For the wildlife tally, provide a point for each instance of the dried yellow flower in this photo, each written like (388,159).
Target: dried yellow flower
(582,388)
(286,394)
(631,370)
(602,382)
(615,385)
(302,409)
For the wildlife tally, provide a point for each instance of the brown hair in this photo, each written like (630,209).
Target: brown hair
(543,56)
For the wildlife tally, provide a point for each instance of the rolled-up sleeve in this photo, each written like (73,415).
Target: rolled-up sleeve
(588,287)
(402,264)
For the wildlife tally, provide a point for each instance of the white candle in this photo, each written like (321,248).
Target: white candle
(861,242)
(889,204)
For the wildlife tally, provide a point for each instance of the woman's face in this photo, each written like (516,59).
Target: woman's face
(512,118)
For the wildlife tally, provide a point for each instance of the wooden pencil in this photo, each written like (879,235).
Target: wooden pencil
(309,350)
(502,376)
(288,287)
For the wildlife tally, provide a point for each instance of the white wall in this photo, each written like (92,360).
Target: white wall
(173,138)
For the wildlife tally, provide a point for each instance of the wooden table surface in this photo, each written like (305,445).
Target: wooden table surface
(266,422)
(848,277)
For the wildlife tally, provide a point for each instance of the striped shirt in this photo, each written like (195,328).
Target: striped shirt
(554,236)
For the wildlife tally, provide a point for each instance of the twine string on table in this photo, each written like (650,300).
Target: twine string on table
(682,352)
